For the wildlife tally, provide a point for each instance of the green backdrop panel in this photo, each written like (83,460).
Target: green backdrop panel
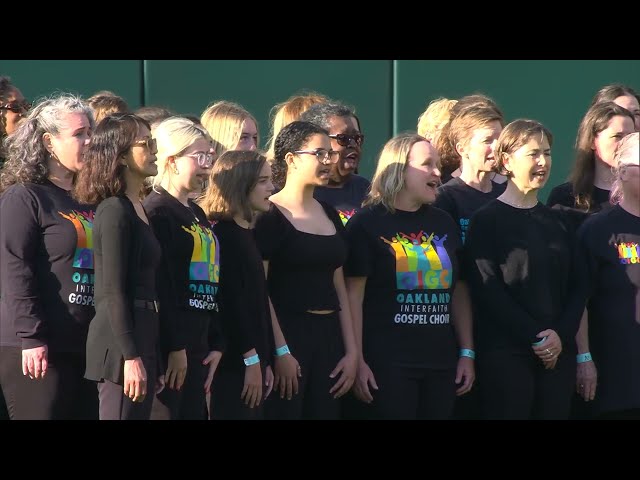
(554,92)
(36,78)
(188,86)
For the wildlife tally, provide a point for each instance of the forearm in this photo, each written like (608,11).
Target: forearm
(355,293)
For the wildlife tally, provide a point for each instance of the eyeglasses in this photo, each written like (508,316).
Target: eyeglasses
(205,160)
(150,143)
(17,107)
(345,139)
(322,155)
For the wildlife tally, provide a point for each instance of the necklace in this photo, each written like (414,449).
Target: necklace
(516,205)
(188,207)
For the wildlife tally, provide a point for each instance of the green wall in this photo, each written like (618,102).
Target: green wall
(388,95)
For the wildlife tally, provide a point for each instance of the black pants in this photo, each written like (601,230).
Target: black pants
(226,403)
(516,386)
(189,402)
(409,393)
(316,342)
(63,393)
(114,405)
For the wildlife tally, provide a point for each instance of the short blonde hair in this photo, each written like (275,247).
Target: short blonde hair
(435,117)
(224,121)
(388,178)
(173,136)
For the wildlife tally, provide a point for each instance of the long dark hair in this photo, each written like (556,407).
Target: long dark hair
(583,174)
(103,176)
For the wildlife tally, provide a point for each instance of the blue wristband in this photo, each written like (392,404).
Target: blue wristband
(465,352)
(583,357)
(283,350)
(537,344)
(252,360)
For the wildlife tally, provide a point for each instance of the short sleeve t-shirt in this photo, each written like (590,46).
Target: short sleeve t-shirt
(410,260)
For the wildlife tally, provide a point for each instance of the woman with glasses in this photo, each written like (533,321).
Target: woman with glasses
(345,190)
(239,190)
(611,241)
(412,321)
(302,245)
(122,344)
(189,270)
(46,271)
(13,108)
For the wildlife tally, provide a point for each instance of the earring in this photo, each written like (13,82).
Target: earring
(175,170)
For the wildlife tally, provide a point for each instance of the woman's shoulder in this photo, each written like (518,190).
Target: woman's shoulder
(115,207)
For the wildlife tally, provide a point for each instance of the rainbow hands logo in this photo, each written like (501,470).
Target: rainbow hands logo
(83,223)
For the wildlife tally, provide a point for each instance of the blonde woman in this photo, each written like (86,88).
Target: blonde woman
(231,127)
(189,270)
(412,321)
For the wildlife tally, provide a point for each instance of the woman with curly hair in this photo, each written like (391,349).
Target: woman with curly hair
(47,265)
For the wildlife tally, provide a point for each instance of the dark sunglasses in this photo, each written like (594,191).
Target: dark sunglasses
(345,139)
(16,107)
(150,143)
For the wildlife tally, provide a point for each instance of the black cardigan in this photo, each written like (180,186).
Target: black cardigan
(111,340)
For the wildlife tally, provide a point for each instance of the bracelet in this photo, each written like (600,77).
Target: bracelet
(283,350)
(537,344)
(465,352)
(583,357)
(252,360)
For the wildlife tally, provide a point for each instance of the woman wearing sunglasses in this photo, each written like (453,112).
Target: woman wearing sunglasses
(611,241)
(122,344)
(13,108)
(302,245)
(47,265)
(345,190)
(189,269)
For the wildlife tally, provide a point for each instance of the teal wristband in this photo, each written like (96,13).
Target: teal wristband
(537,344)
(583,357)
(252,360)
(283,350)
(465,352)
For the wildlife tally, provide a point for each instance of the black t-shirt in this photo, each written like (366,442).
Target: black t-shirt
(410,260)
(47,276)
(244,304)
(301,265)
(461,201)
(525,274)
(611,242)
(563,199)
(189,274)
(348,199)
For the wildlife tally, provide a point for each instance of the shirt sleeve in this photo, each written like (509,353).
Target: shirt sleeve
(20,239)
(488,288)
(116,242)
(269,232)
(171,331)
(445,202)
(360,258)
